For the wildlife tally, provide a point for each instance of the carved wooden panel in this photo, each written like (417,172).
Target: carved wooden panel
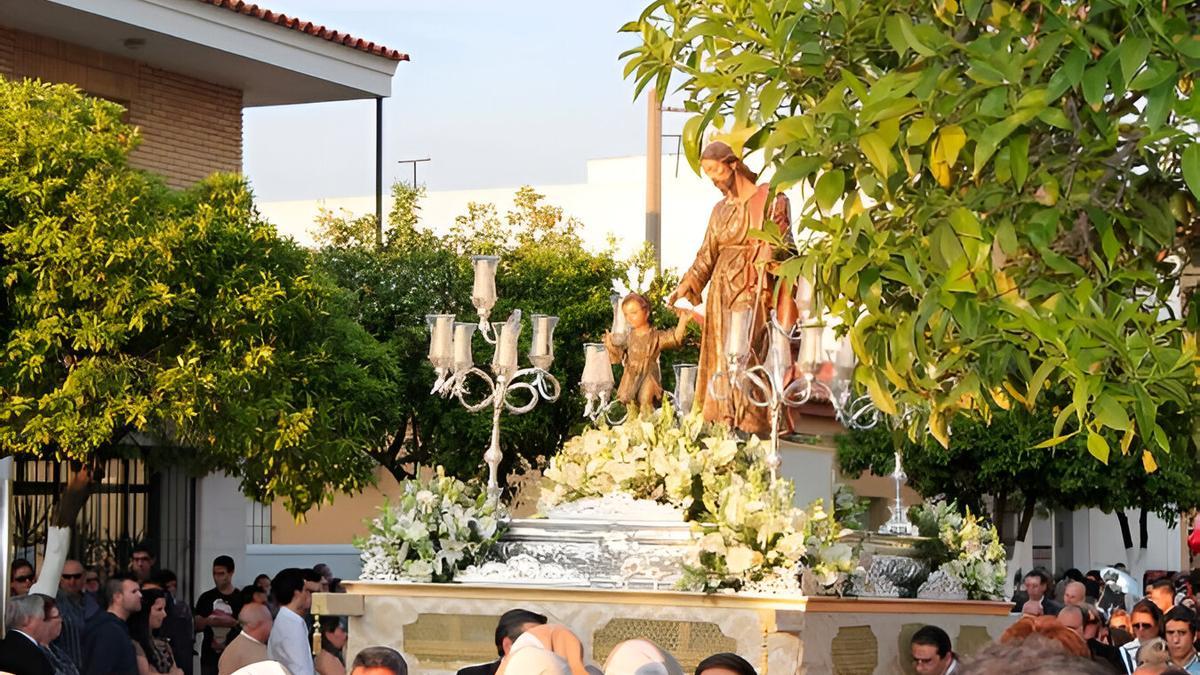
(855,651)
(690,642)
(450,639)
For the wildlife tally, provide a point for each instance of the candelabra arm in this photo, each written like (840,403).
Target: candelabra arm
(800,391)
(439,384)
(755,382)
(729,374)
(547,385)
(485,327)
(460,390)
(794,332)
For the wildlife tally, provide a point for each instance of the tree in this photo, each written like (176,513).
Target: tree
(995,190)
(995,468)
(544,268)
(130,309)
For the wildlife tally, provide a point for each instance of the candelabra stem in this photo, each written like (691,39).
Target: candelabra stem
(493,455)
(773,459)
(899,522)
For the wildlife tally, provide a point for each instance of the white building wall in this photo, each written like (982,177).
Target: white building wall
(1105,546)
(268,559)
(612,203)
(1091,539)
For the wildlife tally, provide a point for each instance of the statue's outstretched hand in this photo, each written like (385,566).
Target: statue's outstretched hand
(681,291)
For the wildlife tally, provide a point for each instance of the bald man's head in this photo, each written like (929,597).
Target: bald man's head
(256,621)
(1075,593)
(71,581)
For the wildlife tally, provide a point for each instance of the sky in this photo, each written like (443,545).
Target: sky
(497,94)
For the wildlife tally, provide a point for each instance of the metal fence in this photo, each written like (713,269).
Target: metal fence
(129,505)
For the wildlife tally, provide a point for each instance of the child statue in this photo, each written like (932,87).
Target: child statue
(641,383)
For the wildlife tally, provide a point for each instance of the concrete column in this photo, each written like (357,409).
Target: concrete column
(220,528)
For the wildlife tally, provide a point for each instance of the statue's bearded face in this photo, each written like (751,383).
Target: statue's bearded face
(720,173)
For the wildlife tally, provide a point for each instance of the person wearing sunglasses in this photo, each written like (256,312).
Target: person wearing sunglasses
(72,605)
(20,578)
(1146,620)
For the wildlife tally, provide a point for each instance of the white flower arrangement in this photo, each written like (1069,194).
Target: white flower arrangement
(968,548)
(830,561)
(747,530)
(439,525)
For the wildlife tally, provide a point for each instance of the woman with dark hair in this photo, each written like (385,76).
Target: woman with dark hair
(725,664)
(20,577)
(331,661)
(153,654)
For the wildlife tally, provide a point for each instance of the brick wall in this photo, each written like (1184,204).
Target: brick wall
(6,52)
(189,127)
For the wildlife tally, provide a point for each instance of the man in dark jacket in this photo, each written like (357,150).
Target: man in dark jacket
(20,653)
(107,648)
(1037,586)
(512,624)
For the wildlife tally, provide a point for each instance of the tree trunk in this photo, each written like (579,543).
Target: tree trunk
(58,536)
(1026,519)
(999,509)
(1126,535)
(1143,535)
(1134,556)
(1020,560)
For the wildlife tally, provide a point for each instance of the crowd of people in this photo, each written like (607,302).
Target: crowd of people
(1087,619)
(134,624)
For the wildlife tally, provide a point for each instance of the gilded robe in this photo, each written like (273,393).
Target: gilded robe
(733,267)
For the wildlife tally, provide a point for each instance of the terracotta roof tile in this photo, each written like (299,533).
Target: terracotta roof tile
(308,27)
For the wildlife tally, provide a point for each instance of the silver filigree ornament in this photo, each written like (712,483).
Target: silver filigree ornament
(941,585)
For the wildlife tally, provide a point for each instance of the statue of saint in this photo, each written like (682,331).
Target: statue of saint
(736,268)
(641,383)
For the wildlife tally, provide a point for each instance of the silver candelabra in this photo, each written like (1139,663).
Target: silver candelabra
(450,352)
(899,522)
(782,381)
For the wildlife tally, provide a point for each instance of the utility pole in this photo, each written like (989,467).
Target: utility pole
(654,175)
(414,166)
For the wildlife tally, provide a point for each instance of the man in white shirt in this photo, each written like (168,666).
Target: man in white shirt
(289,643)
(250,645)
(931,653)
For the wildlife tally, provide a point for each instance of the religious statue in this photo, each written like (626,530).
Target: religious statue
(638,350)
(737,269)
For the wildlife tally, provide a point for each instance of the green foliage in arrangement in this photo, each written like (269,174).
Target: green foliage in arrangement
(127,308)
(544,268)
(995,192)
